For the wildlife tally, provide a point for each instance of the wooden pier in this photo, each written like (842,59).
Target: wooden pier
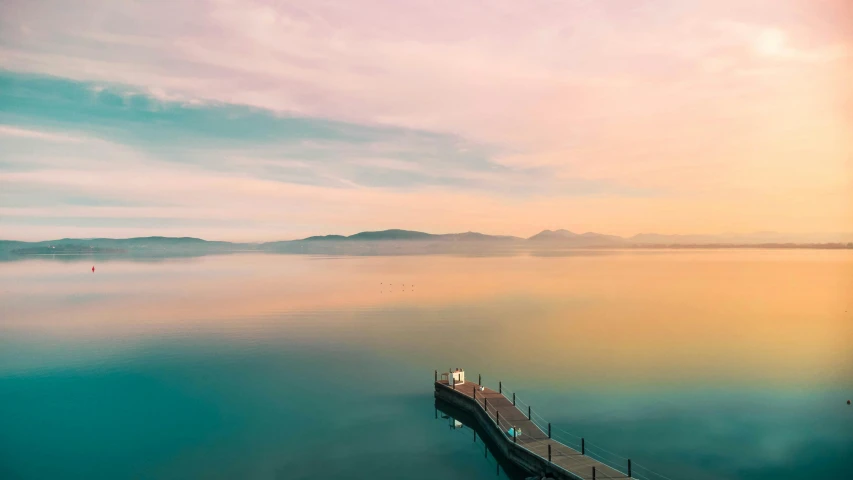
(528,446)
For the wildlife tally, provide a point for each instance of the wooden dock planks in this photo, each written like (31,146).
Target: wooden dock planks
(532,437)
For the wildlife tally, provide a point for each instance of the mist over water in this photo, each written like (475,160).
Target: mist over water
(706,364)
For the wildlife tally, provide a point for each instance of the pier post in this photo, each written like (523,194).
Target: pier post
(513,431)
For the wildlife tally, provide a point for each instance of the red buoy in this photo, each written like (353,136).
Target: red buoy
(93,269)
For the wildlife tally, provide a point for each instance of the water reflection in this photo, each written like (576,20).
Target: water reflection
(696,317)
(737,363)
(461,423)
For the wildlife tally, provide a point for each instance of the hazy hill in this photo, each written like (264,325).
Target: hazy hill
(180,246)
(403,242)
(322,237)
(552,235)
(393,234)
(567,238)
(475,237)
(6,245)
(394,241)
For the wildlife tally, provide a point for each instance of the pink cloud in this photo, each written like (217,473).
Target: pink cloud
(25,133)
(748,100)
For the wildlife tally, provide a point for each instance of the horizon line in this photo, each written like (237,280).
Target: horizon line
(732,234)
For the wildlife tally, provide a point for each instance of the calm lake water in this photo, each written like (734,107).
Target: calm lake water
(697,364)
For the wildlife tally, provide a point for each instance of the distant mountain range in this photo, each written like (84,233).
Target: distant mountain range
(565,237)
(411,242)
(405,235)
(140,246)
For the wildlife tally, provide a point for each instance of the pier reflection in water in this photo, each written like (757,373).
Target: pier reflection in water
(460,423)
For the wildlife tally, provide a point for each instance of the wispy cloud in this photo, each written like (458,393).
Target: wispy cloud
(10,131)
(574,104)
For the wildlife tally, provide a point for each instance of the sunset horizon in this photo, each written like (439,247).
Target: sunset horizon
(799,238)
(258,120)
(426,239)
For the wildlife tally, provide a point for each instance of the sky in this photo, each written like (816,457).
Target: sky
(266,120)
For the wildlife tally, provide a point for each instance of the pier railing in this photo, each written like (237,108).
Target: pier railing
(541,448)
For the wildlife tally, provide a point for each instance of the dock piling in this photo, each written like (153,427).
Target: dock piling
(450,392)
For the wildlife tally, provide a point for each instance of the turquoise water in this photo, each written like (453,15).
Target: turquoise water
(697,365)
